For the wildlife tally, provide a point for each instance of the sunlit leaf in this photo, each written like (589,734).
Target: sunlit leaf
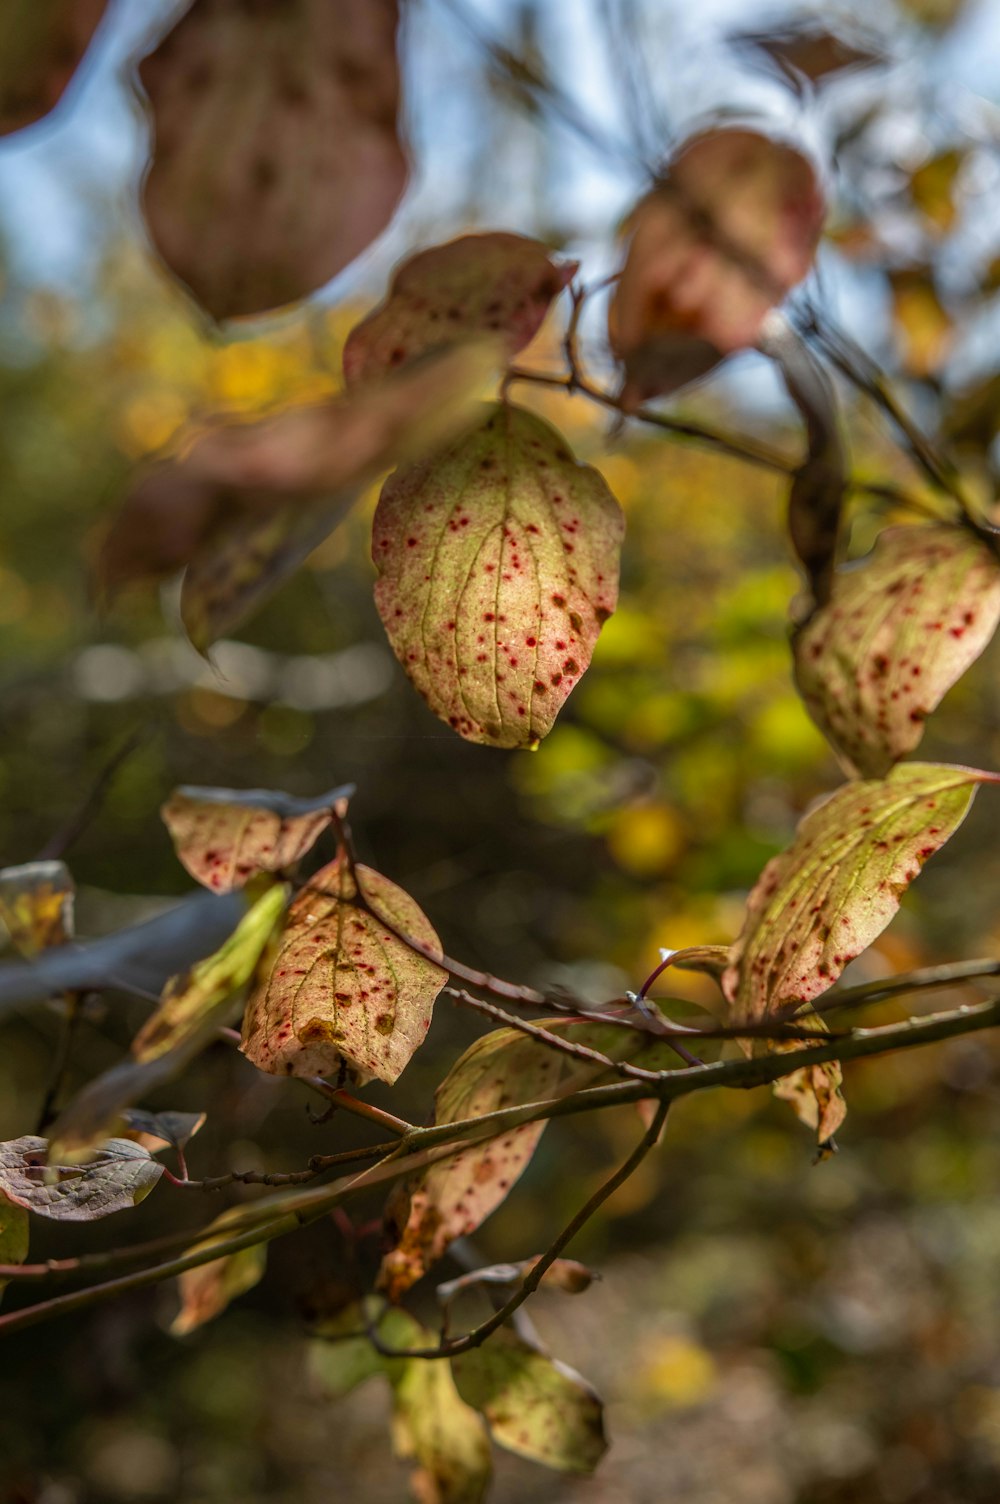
(14,1234)
(116,1178)
(924,328)
(498,566)
(533,1404)
(276,157)
(207,1290)
(728,231)
(225,836)
(343,990)
(41,44)
(902,627)
(36,905)
(479,284)
(160,1130)
(822,901)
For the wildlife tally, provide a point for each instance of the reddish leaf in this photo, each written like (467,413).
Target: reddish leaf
(226,836)
(276,158)
(36,905)
(344,990)
(902,627)
(116,1178)
(479,284)
(825,899)
(725,235)
(41,44)
(207,1289)
(498,565)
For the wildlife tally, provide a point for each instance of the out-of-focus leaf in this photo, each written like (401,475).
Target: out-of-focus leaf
(196,998)
(567,1275)
(940,14)
(533,1404)
(498,566)
(813,1091)
(117,1177)
(207,1290)
(925,330)
(276,157)
(902,627)
(932,188)
(36,906)
(341,1355)
(225,836)
(972,417)
(244,504)
(444,1436)
(479,284)
(822,901)
(812,51)
(159,1130)
(41,44)
(343,989)
(728,231)
(14,1234)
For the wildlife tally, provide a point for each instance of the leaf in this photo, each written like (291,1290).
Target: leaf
(821,902)
(901,628)
(932,188)
(14,1234)
(479,284)
(36,905)
(159,1130)
(197,998)
(443,1435)
(341,1355)
(207,1290)
(41,45)
(244,504)
(534,1405)
(562,1274)
(343,989)
(818,485)
(925,331)
(730,228)
(498,566)
(807,51)
(276,157)
(225,836)
(119,1176)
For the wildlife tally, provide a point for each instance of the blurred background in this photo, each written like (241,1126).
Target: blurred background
(767,1331)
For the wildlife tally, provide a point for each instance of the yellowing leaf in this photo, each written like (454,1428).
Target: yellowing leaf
(901,628)
(479,284)
(41,44)
(276,158)
(225,836)
(534,1405)
(207,1290)
(118,1176)
(926,332)
(443,1435)
(821,902)
(724,236)
(343,989)
(498,565)
(932,188)
(36,905)
(14,1234)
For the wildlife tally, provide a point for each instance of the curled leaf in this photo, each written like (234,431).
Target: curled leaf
(498,566)
(226,836)
(567,1275)
(479,284)
(117,1177)
(36,906)
(901,628)
(343,989)
(207,1289)
(41,45)
(276,155)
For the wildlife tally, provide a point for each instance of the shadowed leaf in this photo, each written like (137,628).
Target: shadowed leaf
(207,1290)
(498,565)
(226,836)
(114,1179)
(534,1405)
(343,989)
(161,1130)
(36,906)
(902,627)
(14,1234)
(276,158)
(562,1274)
(813,53)
(479,284)
(433,1426)
(41,44)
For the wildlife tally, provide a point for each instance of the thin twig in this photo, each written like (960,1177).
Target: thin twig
(90,805)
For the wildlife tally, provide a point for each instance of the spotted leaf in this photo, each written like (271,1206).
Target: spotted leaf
(433,1426)
(36,906)
(490,284)
(344,990)
(41,45)
(118,1176)
(902,627)
(498,565)
(226,836)
(276,155)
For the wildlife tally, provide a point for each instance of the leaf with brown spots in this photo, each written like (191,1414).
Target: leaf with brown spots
(533,1404)
(821,902)
(226,836)
(344,990)
(41,45)
(479,284)
(432,1425)
(36,906)
(498,566)
(276,154)
(207,1290)
(727,232)
(901,628)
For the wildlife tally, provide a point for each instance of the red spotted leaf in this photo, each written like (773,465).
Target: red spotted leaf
(725,235)
(479,284)
(276,155)
(36,906)
(41,45)
(821,902)
(498,565)
(902,627)
(224,837)
(344,990)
